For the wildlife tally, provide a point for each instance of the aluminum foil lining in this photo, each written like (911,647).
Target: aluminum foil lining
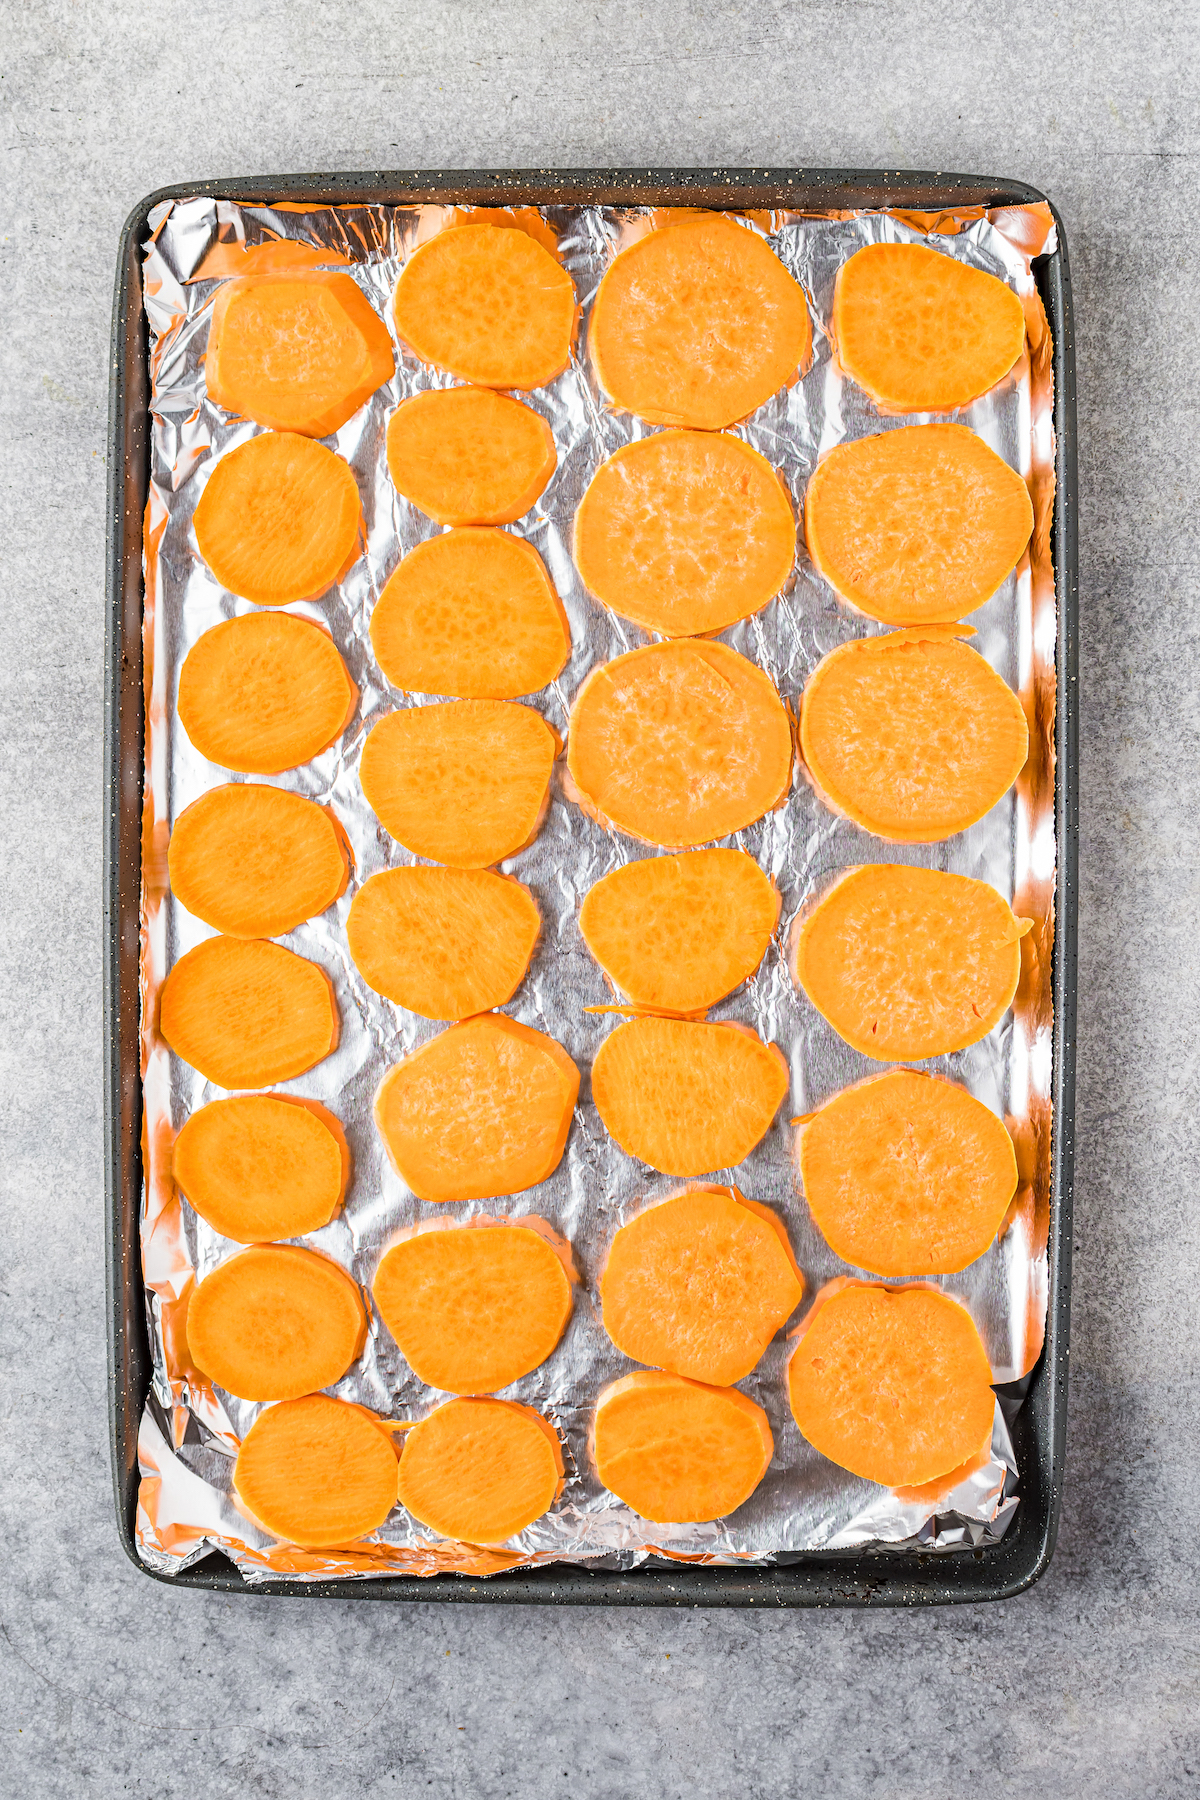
(190,1432)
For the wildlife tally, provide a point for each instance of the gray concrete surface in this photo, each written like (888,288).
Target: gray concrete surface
(1090,1685)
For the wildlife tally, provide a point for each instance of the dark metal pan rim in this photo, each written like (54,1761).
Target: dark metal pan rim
(853,1578)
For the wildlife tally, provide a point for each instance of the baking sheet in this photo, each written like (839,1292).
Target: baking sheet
(189,1432)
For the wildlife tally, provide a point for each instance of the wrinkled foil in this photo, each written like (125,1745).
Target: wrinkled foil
(190,1432)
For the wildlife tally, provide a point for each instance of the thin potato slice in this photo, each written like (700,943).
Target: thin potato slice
(698,1285)
(923,332)
(908,963)
(687,1098)
(481,1110)
(475,1307)
(261,1166)
(905,1175)
(274,1322)
(297,351)
(677,933)
(685,532)
(469,456)
(246,1012)
(256,861)
(280,519)
(916,526)
(698,324)
(677,1451)
(488,303)
(913,735)
(474,614)
(480,1471)
(317,1471)
(679,743)
(891,1383)
(264,692)
(464,782)
(445,943)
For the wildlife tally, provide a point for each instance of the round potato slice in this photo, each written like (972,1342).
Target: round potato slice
(891,1383)
(685,532)
(698,324)
(480,1471)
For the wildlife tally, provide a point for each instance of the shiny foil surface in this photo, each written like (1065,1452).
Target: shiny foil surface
(190,1432)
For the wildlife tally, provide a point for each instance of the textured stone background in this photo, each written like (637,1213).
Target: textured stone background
(1088,1686)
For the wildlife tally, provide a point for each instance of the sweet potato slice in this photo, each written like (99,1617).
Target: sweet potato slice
(262,1166)
(273,1322)
(317,1471)
(679,743)
(891,1383)
(698,1285)
(480,1471)
(245,1012)
(678,1451)
(298,351)
(912,735)
(280,519)
(472,613)
(481,1110)
(469,456)
(687,1098)
(489,304)
(678,933)
(264,693)
(908,963)
(685,532)
(464,782)
(907,1175)
(922,332)
(917,525)
(445,943)
(697,324)
(256,861)
(473,1308)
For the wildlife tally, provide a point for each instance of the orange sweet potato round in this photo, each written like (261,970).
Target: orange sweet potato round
(481,1110)
(480,1471)
(908,963)
(469,456)
(275,1322)
(922,332)
(464,782)
(256,861)
(476,1307)
(677,1451)
(489,304)
(687,1098)
(280,519)
(697,324)
(891,1383)
(296,350)
(261,1166)
(916,525)
(679,743)
(472,613)
(913,735)
(907,1175)
(677,933)
(264,692)
(685,532)
(445,943)
(317,1471)
(699,1285)
(246,1012)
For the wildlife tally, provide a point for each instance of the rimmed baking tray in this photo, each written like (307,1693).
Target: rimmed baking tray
(832,1578)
